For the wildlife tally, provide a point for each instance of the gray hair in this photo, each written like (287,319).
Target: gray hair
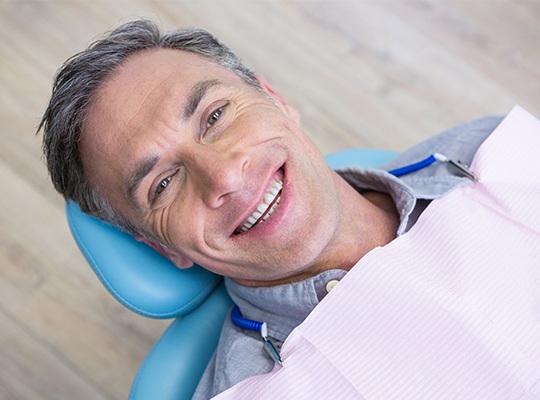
(77,81)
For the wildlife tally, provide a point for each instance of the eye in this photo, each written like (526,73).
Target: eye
(214,121)
(177,177)
(214,116)
(163,185)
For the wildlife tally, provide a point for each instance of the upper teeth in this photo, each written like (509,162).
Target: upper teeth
(266,208)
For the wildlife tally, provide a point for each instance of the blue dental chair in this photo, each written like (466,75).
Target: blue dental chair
(149,284)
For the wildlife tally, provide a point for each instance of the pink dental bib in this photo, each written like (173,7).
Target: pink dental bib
(450,310)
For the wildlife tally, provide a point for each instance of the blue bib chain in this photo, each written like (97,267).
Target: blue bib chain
(430,160)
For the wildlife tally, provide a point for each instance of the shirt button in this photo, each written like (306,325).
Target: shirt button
(331,284)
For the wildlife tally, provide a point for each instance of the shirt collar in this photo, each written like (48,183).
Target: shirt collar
(363,179)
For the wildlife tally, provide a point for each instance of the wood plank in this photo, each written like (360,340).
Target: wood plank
(29,370)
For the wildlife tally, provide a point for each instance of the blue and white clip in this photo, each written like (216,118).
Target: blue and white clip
(256,326)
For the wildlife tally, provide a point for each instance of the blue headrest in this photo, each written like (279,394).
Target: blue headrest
(148,283)
(135,274)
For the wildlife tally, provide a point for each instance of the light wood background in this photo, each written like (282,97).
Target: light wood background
(381,74)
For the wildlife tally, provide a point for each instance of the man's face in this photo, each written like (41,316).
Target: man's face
(218,172)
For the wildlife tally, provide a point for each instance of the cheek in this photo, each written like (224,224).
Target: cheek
(262,123)
(179,226)
(184,226)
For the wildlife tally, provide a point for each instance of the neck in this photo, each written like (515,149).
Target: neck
(369,220)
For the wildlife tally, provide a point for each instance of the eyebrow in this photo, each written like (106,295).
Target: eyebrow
(195,96)
(144,167)
(134,180)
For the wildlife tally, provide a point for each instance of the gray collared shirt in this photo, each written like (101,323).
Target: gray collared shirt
(240,353)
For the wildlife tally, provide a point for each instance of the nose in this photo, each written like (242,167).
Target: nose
(218,174)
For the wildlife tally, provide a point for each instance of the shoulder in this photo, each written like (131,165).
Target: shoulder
(239,355)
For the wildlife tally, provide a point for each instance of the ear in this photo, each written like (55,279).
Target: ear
(289,110)
(179,260)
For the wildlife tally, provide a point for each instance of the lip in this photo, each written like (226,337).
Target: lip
(276,215)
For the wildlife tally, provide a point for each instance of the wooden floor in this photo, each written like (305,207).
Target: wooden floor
(363,74)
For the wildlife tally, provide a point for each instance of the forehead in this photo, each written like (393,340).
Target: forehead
(150,75)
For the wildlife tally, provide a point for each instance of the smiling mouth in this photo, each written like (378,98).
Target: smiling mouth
(265,209)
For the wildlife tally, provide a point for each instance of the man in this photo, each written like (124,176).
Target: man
(173,140)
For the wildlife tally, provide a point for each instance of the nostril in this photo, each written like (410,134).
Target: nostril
(221,176)
(219,187)
(245,166)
